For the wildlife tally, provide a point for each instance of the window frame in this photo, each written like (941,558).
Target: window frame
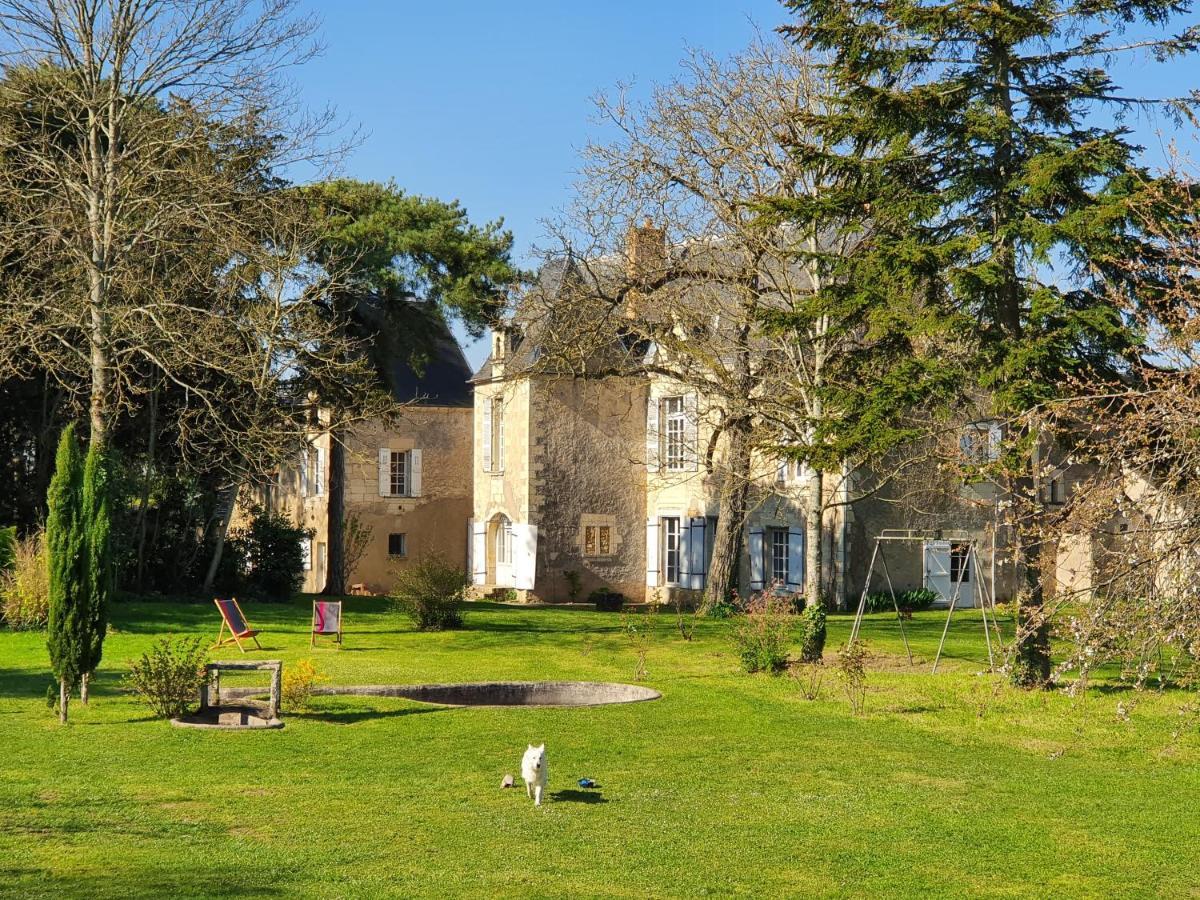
(405,480)
(496,438)
(672,556)
(772,564)
(403,542)
(503,548)
(673,414)
(960,572)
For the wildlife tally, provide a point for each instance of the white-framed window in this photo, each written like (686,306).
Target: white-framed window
(306,553)
(980,442)
(959,570)
(670,549)
(398,473)
(674,434)
(777,555)
(504,541)
(781,471)
(398,544)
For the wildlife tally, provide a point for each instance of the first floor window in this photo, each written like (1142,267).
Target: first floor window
(959,570)
(670,539)
(778,550)
(306,553)
(398,545)
(674,431)
(399,473)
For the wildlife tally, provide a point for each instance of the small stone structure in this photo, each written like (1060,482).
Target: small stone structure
(215,714)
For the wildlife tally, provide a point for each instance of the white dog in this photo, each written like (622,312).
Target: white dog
(534,772)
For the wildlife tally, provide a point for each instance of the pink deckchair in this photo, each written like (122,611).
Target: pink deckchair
(232,617)
(327,621)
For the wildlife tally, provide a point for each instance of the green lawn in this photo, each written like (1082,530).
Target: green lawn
(949,785)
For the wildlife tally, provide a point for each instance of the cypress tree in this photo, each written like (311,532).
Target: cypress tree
(67,545)
(993,203)
(99,569)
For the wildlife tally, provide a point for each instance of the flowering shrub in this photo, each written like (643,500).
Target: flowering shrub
(762,633)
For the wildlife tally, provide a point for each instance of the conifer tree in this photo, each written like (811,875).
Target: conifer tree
(67,543)
(98,576)
(987,175)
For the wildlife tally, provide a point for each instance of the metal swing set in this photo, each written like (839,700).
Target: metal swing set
(970,563)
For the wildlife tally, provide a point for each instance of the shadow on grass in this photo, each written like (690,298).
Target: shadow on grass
(352,717)
(240,882)
(574,796)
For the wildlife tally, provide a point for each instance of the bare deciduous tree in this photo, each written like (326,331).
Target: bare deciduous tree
(707,159)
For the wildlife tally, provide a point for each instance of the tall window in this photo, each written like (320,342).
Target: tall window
(674,426)
(497,435)
(959,570)
(778,555)
(1055,490)
(503,541)
(670,539)
(399,473)
(398,544)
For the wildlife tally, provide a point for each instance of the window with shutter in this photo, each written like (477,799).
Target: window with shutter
(674,434)
(398,478)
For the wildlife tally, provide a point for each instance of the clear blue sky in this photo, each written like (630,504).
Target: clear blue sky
(488,102)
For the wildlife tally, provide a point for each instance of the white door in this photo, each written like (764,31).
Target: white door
(938,576)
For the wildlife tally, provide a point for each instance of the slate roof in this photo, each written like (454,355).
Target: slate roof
(437,375)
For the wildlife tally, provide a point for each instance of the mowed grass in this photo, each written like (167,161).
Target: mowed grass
(949,785)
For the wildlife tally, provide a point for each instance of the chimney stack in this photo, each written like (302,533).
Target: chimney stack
(645,251)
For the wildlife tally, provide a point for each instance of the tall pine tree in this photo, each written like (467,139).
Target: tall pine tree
(67,545)
(988,175)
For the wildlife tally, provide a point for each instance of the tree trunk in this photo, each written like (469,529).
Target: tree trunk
(814,539)
(731,517)
(335,569)
(83,687)
(64,699)
(144,498)
(225,511)
(1031,648)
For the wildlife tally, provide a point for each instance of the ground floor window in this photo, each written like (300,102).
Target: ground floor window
(959,570)
(777,550)
(670,539)
(503,541)
(597,540)
(398,544)
(306,553)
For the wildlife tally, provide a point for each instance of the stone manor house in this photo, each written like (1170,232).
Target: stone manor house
(537,483)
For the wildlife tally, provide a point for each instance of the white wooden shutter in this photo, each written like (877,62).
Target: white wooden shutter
(320,473)
(652,552)
(479,552)
(306,553)
(697,534)
(385,472)
(757,577)
(524,538)
(304,472)
(487,434)
(498,415)
(795,570)
(691,431)
(685,553)
(653,435)
(414,473)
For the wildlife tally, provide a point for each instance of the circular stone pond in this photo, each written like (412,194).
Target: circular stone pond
(490,693)
(507,693)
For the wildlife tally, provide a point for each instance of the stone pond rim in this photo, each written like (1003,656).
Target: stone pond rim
(494,693)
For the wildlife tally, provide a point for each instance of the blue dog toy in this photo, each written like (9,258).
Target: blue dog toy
(586,783)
